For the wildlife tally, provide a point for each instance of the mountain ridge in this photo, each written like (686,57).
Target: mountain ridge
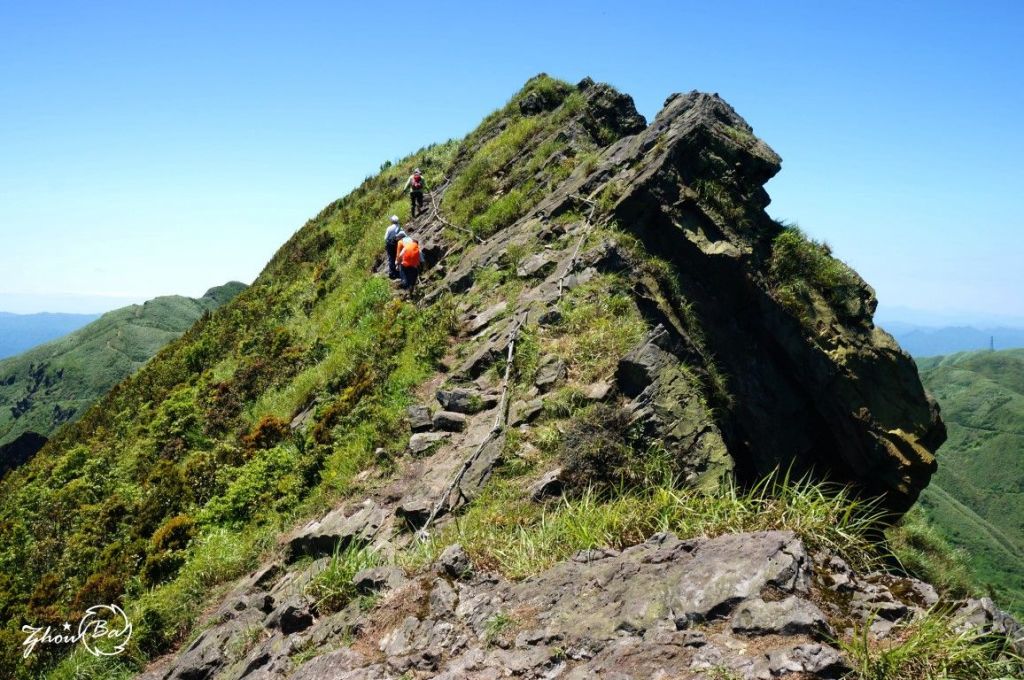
(609,326)
(982,394)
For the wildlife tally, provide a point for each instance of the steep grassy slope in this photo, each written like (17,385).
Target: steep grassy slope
(51,384)
(977,496)
(634,266)
(21,332)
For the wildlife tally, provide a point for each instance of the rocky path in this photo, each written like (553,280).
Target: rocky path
(752,606)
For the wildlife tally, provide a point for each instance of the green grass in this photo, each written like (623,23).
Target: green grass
(332,588)
(976,499)
(495,626)
(926,554)
(933,647)
(503,530)
(600,323)
(801,269)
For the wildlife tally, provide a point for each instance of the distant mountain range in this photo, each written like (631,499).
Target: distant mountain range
(925,341)
(19,332)
(977,496)
(51,384)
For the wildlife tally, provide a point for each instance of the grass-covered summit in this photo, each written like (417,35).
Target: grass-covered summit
(668,341)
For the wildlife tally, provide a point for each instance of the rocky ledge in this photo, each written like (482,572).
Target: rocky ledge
(752,606)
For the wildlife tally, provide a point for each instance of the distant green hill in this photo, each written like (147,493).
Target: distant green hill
(977,497)
(53,383)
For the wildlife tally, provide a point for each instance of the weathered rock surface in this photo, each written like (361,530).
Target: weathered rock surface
(741,604)
(726,379)
(850,400)
(337,530)
(422,441)
(465,400)
(419,418)
(449,421)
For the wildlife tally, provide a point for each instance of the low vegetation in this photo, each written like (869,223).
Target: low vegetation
(933,647)
(333,588)
(504,530)
(925,554)
(802,270)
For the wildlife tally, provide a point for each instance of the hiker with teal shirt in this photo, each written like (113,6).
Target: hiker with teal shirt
(415,185)
(392,235)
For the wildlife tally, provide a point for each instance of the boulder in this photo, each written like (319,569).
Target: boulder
(455,562)
(550,484)
(598,391)
(791,616)
(419,418)
(551,371)
(289,618)
(449,421)
(337,530)
(378,578)
(422,441)
(466,400)
(539,265)
(525,411)
(483,319)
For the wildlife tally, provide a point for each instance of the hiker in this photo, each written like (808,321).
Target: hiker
(392,235)
(416,186)
(409,261)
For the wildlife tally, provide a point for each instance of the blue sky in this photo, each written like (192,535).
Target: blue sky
(156,148)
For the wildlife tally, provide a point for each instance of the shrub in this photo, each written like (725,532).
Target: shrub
(268,431)
(175,534)
(595,450)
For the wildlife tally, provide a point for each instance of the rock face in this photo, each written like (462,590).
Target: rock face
(751,606)
(831,392)
(727,377)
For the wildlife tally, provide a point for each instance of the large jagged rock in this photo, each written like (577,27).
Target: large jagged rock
(832,393)
(727,378)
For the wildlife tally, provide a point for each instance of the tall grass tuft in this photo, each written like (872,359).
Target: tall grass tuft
(506,532)
(934,646)
(332,588)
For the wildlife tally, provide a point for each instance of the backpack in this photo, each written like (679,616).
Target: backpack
(411,254)
(417,182)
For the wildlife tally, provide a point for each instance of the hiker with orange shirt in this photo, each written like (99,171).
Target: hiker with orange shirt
(409,261)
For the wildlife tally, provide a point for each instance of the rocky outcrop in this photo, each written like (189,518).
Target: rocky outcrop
(727,379)
(831,392)
(753,606)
